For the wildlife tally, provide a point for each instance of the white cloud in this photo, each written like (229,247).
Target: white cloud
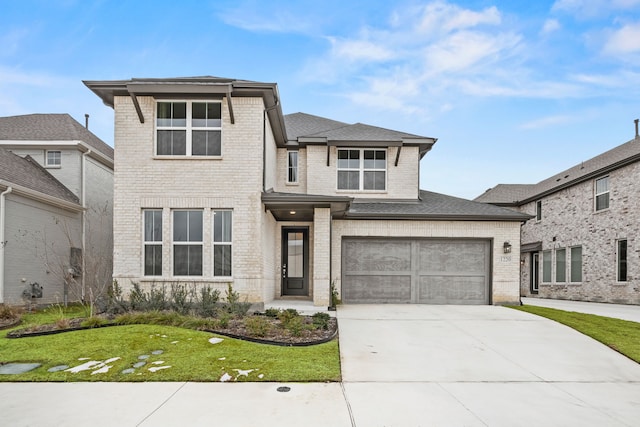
(550,26)
(446,17)
(252,16)
(624,41)
(593,8)
(359,50)
(546,122)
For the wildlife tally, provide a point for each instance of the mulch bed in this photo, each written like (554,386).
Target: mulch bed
(276,334)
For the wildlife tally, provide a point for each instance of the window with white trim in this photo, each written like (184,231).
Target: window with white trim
(621,260)
(362,169)
(222,243)
(576,264)
(152,242)
(546,266)
(53,158)
(561,265)
(292,167)
(189,128)
(539,210)
(602,193)
(187,243)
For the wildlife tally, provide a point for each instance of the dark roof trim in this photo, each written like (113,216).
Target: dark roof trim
(436,217)
(587,177)
(288,198)
(531,247)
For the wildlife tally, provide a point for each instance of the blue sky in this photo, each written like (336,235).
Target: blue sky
(515,91)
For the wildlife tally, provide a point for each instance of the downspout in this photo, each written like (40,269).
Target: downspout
(3,243)
(84,220)
(264,150)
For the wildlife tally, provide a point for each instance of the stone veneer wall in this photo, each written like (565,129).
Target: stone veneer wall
(569,219)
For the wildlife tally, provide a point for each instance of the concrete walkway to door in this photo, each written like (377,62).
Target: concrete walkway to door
(419,365)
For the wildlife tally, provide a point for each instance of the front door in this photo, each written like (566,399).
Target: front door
(535,265)
(295,261)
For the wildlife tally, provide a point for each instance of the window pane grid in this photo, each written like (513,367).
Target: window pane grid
(362,169)
(152,219)
(222,246)
(602,193)
(576,264)
(292,166)
(189,129)
(187,230)
(54,158)
(622,260)
(561,265)
(546,266)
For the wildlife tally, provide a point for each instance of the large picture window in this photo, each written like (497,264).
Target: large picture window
(189,128)
(152,242)
(187,243)
(602,193)
(222,243)
(362,169)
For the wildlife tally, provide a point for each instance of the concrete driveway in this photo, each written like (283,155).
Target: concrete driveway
(419,365)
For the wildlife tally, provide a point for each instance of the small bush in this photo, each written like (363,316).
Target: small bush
(8,313)
(180,298)
(233,304)
(223,320)
(207,302)
(272,312)
(321,320)
(94,322)
(257,326)
(295,326)
(63,323)
(286,316)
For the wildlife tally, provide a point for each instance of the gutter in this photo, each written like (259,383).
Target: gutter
(3,242)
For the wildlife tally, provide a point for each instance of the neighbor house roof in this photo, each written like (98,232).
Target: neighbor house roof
(433,206)
(26,174)
(517,194)
(50,127)
(305,129)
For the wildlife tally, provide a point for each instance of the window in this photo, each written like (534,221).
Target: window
(222,226)
(54,158)
(360,169)
(152,242)
(292,167)
(576,264)
(622,260)
(561,265)
(602,193)
(187,243)
(546,266)
(189,129)
(538,210)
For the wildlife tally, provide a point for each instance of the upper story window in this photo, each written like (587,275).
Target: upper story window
(362,169)
(602,193)
(188,128)
(539,210)
(53,158)
(292,167)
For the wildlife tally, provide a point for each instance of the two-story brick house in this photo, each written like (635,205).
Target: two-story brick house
(57,210)
(214,185)
(581,243)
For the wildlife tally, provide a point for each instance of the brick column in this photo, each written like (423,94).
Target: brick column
(321,258)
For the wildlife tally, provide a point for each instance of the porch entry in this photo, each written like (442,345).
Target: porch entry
(295,261)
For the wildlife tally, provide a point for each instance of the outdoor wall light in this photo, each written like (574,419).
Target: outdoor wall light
(506,247)
(292,212)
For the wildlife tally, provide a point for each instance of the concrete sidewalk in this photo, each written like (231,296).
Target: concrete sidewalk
(617,311)
(403,365)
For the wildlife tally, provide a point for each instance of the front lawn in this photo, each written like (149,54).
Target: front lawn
(162,353)
(621,335)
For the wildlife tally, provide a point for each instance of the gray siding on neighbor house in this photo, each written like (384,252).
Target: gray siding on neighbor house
(38,241)
(69,173)
(569,219)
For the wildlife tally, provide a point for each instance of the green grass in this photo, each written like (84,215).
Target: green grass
(189,353)
(621,335)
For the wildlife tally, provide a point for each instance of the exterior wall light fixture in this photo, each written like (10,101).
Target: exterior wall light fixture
(506,247)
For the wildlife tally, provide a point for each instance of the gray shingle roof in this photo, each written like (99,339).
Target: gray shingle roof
(307,125)
(26,172)
(50,127)
(434,206)
(615,158)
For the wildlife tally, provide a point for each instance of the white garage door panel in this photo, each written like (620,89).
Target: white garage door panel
(427,271)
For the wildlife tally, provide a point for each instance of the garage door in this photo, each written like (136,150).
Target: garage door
(422,271)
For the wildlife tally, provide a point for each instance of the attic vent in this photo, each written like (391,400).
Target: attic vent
(566,176)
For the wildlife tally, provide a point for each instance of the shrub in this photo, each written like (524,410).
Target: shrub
(321,320)
(233,305)
(257,326)
(286,316)
(8,313)
(207,302)
(223,320)
(115,301)
(94,322)
(272,312)
(180,298)
(295,326)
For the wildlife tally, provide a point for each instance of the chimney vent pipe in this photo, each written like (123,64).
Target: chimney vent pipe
(86,122)
(636,122)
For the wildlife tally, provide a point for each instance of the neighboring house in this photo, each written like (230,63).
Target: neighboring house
(582,242)
(214,185)
(66,248)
